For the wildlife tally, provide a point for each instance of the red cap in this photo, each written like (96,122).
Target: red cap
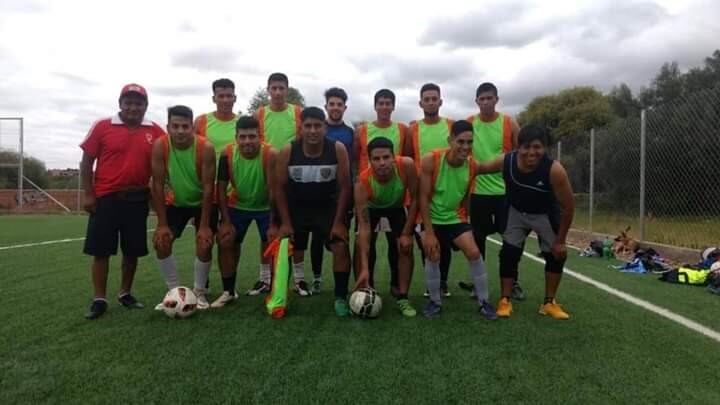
(133,88)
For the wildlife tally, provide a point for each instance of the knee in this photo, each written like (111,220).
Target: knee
(473,254)
(509,258)
(553,265)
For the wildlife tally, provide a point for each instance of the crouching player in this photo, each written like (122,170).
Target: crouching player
(186,164)
(445,181)
(381,192)
(535,185)
(247,165)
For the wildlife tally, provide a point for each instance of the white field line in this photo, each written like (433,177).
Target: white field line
(47,242)
(690,324)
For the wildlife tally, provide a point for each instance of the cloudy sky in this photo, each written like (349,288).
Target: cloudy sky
(63,63)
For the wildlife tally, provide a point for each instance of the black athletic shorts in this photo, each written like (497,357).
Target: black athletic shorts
(395,216)
(317,221)
(118,216)
(446,233)
(178,218)
(488,214)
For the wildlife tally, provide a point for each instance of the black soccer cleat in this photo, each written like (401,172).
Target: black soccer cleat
(129,302)
(97,308)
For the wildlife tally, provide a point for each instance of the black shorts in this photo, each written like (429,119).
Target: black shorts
(447,233)
(319,222)
(395,216)
(488,214)
(178,218)
(117,216)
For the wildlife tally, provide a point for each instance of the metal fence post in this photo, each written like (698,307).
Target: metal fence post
(559,150)
(592,179)
(643,134)
(21,171)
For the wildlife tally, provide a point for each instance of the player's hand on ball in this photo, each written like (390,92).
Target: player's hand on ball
(559,250)
(362,279)
(405,244)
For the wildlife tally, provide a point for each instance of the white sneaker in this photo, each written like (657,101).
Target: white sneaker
(224,299)
(202,301)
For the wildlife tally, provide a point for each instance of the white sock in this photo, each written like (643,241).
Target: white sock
(202,271)
(168,268)
(299,271)
(265,273)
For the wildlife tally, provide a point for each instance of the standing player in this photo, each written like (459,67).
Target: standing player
(337,130)
(381,193)
(116,194)
(535,185)
(279,124)
(313,190)
(494,133)
(446,179)
(426,135)
(219,126)
(396,132)
(186,164)
(247,167)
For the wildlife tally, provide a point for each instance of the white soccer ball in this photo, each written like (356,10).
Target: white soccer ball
(180,302)
(365,303)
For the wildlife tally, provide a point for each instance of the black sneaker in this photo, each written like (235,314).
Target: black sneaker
(517,292)
(97,308)
(129,302)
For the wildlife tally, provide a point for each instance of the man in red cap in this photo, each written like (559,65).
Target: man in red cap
(117,193)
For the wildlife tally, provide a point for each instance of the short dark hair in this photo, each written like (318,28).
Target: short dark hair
(487,86)
(385,93)
(458,127)
(335,92)
(530,133)
(380,143)
(223,84)
(428,87)
(247,122)
(180,111)
(312,112)
(278,77)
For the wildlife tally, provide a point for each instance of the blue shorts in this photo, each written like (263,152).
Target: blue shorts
(241,220)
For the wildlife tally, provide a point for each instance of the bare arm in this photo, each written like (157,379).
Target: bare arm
(208,183)
(407,147)
(564,195)
(412,187)
(270,183)
(196,127)
(86,173)
(404,134)
(281,177)
(158,182)
(364,230)
(426,175)
(343,178)
(489,166)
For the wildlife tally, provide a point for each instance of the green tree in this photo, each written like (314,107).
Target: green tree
(622,102)
(569,112)
(33,169)
(261,97)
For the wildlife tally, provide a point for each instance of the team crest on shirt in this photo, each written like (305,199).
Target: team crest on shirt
(296,173)
(149,137)
(325,173)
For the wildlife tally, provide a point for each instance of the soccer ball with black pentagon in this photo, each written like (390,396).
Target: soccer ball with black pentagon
(180,302)
(365,303)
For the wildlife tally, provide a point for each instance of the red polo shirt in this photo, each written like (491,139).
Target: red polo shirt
(123,155)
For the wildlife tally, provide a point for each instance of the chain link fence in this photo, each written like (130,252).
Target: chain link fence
(657,172)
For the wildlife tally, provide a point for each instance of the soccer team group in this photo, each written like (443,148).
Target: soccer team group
(445,185)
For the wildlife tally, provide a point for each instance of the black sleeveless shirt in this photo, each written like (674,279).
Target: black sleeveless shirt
(531,192)
(312,182)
